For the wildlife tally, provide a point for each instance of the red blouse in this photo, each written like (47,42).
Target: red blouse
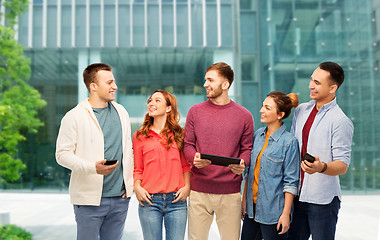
(159,169)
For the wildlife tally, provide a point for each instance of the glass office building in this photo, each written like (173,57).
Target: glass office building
(168,44)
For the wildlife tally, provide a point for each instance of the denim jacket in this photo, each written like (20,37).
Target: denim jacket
(279,173)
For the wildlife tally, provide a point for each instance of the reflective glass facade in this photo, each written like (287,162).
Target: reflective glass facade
(168,44)
(296,36)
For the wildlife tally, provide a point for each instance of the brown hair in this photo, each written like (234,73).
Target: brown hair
(223,70)
(89,74)
(284,102)
(171,125)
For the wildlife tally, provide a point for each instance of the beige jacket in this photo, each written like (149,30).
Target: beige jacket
(80,144)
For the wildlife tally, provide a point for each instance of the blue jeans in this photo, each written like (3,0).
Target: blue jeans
(102,222)
(174,216)
(253,230)
(315,219)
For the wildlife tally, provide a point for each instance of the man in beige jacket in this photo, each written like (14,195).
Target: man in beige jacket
(95,131)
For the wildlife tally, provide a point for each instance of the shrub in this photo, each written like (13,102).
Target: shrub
(12,232)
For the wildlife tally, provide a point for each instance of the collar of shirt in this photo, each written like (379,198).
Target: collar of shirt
(154,134)
(277,134)
(324,108)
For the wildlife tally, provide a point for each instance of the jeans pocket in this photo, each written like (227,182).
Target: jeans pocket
(146,204)
(181,201)
(86,210)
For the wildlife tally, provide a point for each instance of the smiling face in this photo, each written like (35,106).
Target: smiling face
(215,84)
(157,105)
(269,113)
(104,86)
(322,89)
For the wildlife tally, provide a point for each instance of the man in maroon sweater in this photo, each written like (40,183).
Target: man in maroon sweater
(217,126)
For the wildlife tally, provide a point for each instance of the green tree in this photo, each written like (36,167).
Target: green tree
(19,102)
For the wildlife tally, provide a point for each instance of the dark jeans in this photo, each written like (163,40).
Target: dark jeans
(315,219)
(253,230)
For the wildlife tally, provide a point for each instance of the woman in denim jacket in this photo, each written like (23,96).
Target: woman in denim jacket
(273,176)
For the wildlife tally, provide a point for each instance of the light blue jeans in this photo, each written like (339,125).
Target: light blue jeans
(174,216)
(102,222)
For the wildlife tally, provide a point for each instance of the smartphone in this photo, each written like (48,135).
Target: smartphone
(309,158)
(110,162)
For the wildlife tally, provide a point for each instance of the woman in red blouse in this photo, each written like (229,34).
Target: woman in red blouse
(162,174)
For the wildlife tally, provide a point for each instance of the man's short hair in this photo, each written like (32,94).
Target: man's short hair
(335,70)
(223,70)
(89,74)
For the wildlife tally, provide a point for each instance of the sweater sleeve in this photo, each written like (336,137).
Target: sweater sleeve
(246,141)
(66,146)
(189,148)
(138,157)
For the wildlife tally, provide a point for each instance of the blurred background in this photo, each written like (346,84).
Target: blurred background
(168,44)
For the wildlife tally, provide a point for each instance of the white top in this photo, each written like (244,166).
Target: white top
(80,144)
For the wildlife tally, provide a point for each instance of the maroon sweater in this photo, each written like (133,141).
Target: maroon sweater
(225,130)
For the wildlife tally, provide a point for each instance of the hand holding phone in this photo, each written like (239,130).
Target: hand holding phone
(110,162)
(309,158)
(105,167)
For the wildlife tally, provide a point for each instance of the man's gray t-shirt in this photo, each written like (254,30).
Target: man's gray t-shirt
(109,121)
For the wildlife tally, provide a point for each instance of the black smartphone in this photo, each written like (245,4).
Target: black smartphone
(110,162)
(309,158)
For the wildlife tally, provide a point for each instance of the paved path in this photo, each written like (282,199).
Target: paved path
(50,216)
